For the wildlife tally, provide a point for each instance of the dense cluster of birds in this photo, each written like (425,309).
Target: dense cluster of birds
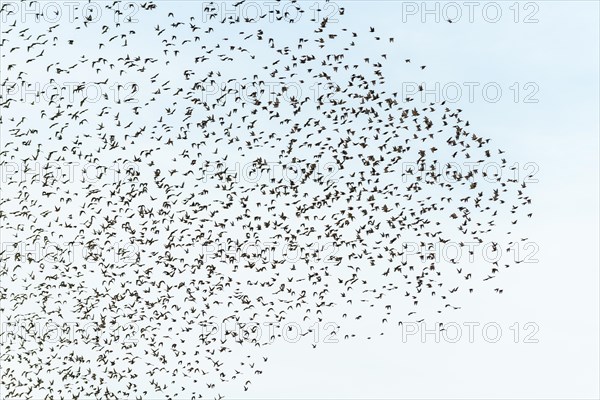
(225,170)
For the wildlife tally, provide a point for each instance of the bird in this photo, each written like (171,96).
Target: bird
(179,196)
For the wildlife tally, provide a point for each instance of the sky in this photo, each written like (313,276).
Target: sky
(527,78)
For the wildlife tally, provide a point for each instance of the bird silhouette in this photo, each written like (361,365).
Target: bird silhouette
(209,186)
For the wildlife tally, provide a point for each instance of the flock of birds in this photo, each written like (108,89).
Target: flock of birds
(205,183)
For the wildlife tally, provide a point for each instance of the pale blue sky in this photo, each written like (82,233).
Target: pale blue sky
(556,60)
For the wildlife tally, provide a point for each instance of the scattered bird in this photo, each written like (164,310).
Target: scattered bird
(184,193)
